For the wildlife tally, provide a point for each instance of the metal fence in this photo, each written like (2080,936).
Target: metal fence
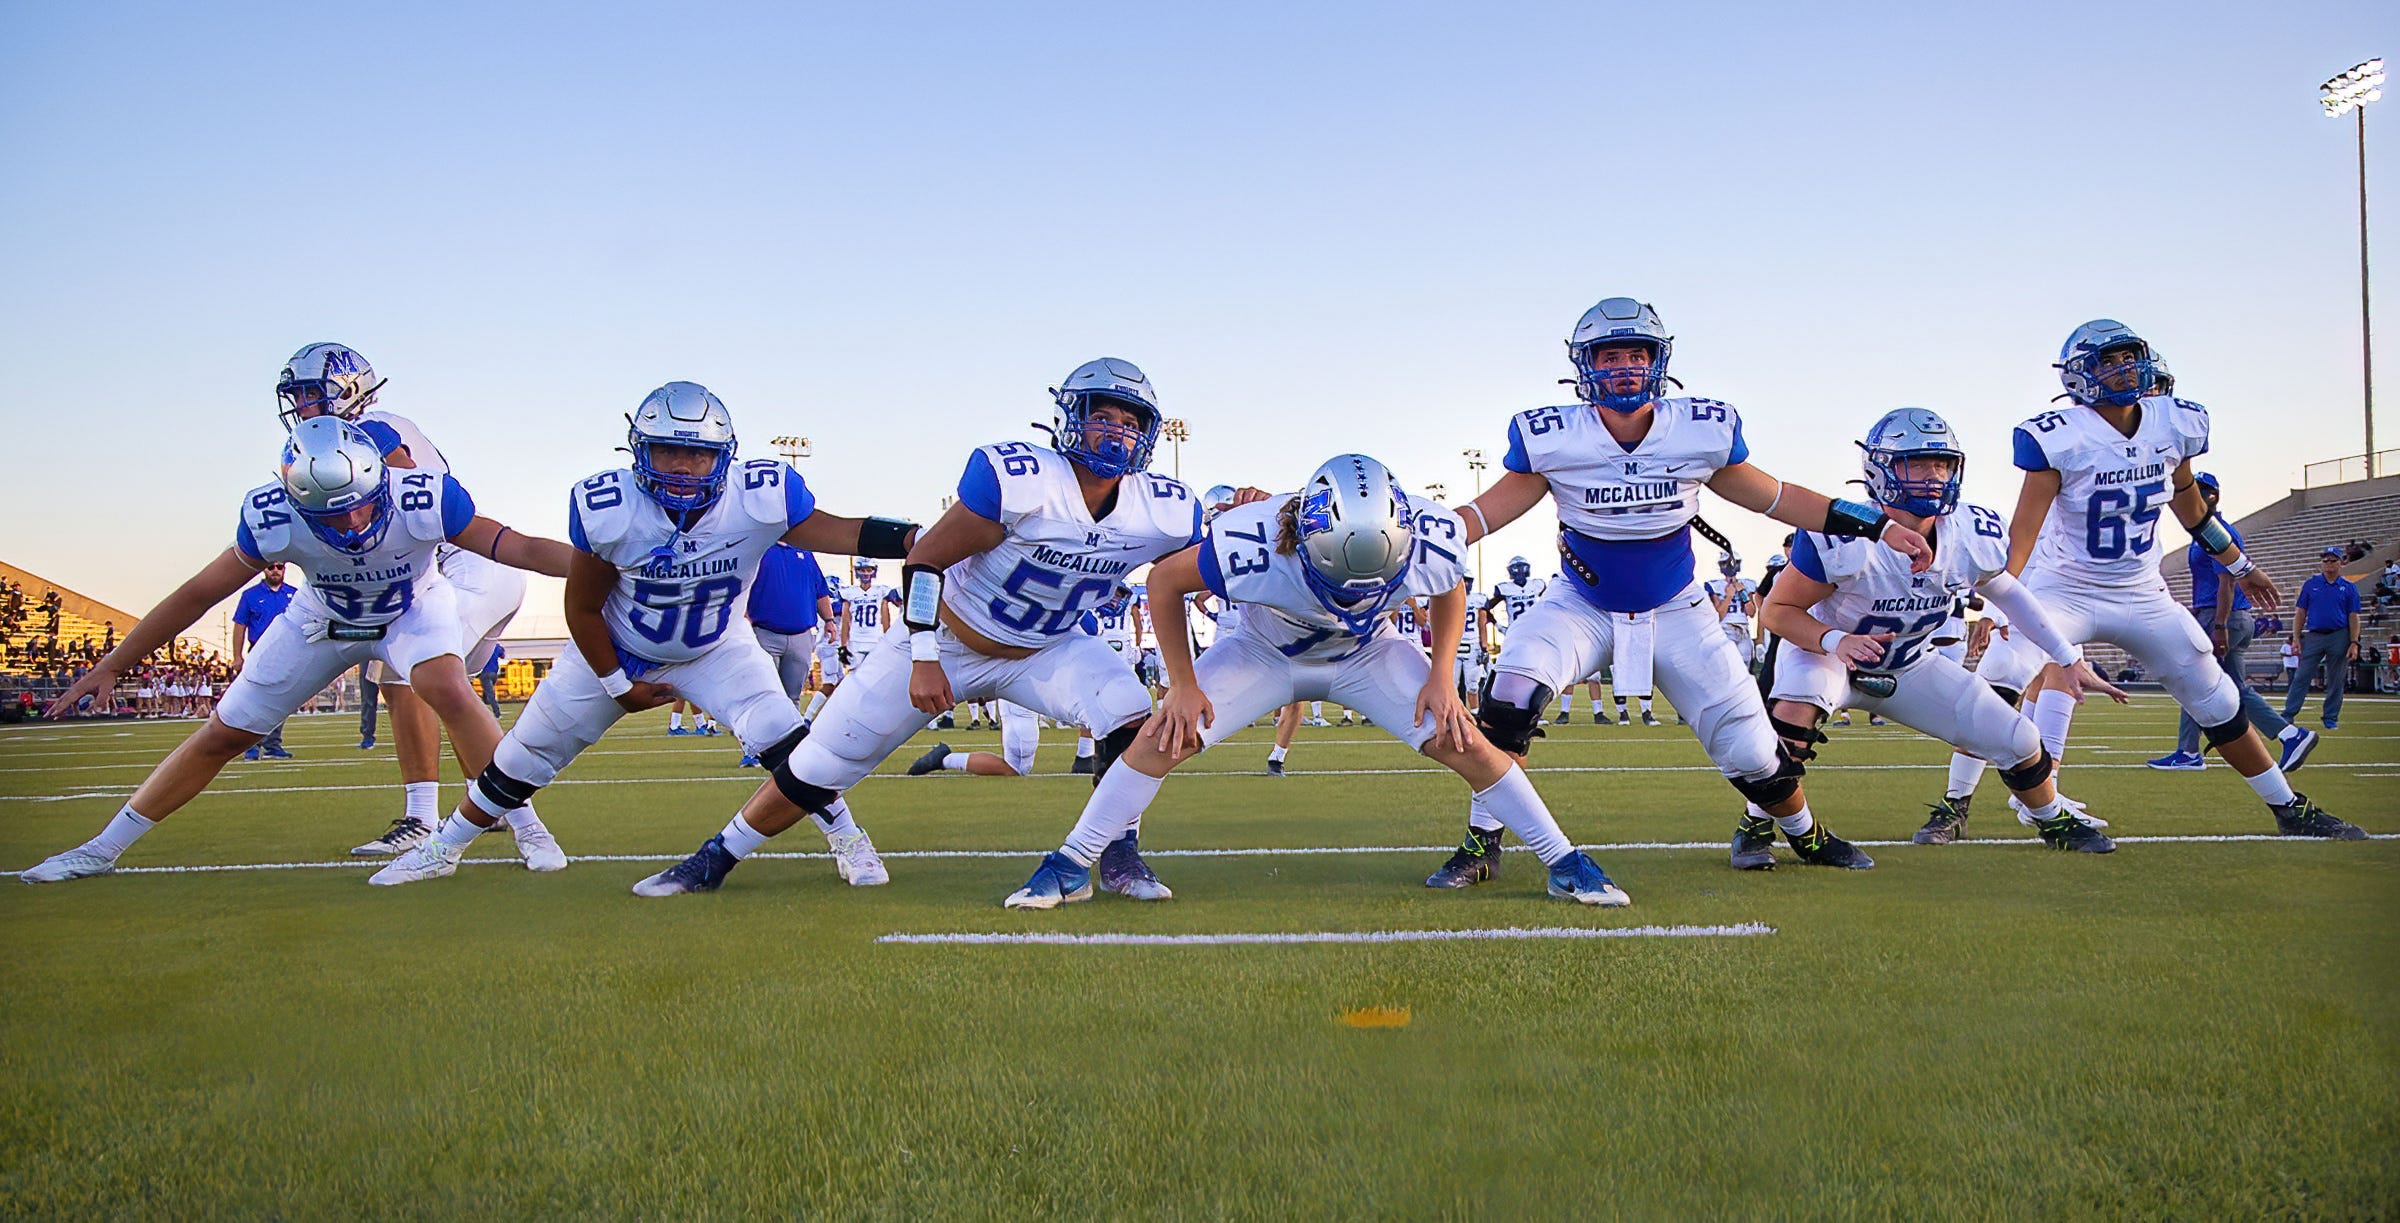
(2350,468)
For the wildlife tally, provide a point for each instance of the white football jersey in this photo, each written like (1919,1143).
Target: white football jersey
(1737,607)
(1228,617)
(1115,621)
(1470,642)
(366,588)
(2114,490)
(1239,562)
(1405,618)
(677,590)
(390,429)
(1875,593)
(1519,597)
(870,616)
(1055,562)
(1627,512)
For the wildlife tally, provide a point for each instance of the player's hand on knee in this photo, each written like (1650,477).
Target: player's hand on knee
(1451,722)
(929,688)
(646,695)
(1857,648)
(1175,728)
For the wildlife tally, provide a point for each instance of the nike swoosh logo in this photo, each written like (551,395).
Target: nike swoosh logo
(1672,469)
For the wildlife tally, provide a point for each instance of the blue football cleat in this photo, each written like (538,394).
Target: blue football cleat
(276,753)
(748,761)
(704,871)
(1122,871)
(252,754)
(1576,877)
(1055,882)
(2180,761)
(2296,750)
(367,744)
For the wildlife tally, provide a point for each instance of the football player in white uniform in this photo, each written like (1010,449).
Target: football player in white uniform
(1518,594)
(335,380)
(992,596)
(665,551)
(2098,475)
(1316,572)
(1734,597)
(1474,647)
(1625,467)
(869,605)
(365,535)
(1860,626)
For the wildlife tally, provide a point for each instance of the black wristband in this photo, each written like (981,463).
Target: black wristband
(884,537)
(1855,520)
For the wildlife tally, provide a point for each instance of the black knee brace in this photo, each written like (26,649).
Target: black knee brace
(1108,747)
(812,799)
(774,754)
(496,791)
(1509,726)
(2220,735)
(1799,742)
(2029,774)
(2010,695)
(1775,787)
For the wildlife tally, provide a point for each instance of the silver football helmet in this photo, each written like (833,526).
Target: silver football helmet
(1217,500)
(1909,433)
(2079,363)
(1357,538)
(1617,321)
(327,379)
(682,414)
(330,468)
(1101,448)
(1729,563)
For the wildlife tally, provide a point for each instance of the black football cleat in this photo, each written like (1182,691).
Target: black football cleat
(1084,765)
(2302,818)
(1947,823)
(1754,844)
(2064,831)
(1274,767)
(1817,847)
(930,762)
(1476,860)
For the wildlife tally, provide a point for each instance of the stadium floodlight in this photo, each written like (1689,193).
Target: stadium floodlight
(792,449)
(1476,466)
(1177,431)
(2345,93)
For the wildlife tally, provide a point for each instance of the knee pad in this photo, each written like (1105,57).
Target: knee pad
(810,798)
(2228,731)
(1799,742)
(2010,695)
(774,754)
(1511,723)
(1106,748)
(498,793)
(2029,774)
(1776,786)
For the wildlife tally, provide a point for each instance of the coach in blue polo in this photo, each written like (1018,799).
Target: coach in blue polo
(2325,624)
(262,604)
(2225,615)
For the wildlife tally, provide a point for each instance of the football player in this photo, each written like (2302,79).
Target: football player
(993,595)
(1318,572)
(665,551)
(2099,473)
(1861,626)
(365,535)
(1734,597)
(1625,467)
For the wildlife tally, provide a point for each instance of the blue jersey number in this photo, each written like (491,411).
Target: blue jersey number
(1017,459)
(1987,523)
(1906,640)
(1028,617)
(416,492)
(1543,420)
(1243,562)
(867,613)
(2116,520)
(762,473)
(601,491)
(351,603)
(700,614)
(269,517)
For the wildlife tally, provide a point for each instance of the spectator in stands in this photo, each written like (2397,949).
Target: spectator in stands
(2387,587)
(51,603)
(2224,613)
(108,636)
(2387,677)
(2325,627)
(262,605)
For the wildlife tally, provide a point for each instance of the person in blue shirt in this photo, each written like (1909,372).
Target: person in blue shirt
(487,681)
(2228,622)
(789,601)
(2325,624)
(259,607)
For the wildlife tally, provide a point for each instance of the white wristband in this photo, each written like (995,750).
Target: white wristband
(615,684)
(2241,567)
(924,646)
(1833,637)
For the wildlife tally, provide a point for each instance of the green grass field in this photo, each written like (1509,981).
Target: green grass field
(2185,1029)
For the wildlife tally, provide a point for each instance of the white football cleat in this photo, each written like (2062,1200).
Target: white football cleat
(855,860)
(76,863)
(429,860)
(2025,817)
(539,849)
(401,837)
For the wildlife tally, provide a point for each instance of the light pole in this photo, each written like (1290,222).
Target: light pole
(2351,91)
(1177,433)
(793,449)
(1475,466)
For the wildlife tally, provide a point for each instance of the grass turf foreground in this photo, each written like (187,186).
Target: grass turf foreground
(2179,1029)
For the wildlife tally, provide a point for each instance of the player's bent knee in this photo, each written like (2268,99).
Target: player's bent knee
(2008,694)
(497,793)
(1509,712)
(1775,787)
(774,755)
(1799,739)
(2230,730)
(801,794)
(1106,748)
(2031,773)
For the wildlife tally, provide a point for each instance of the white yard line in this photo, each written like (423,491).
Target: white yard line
(1509,933)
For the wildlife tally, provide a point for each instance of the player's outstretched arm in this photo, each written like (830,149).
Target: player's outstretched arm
(886,538)
(2191,509)
(1805,508)
(515,549)
(178,611)
(589,579)
(1503,503)
(1786,615)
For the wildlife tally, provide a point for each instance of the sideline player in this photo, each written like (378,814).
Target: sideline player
(664,553)
(364,535)
(1860,625)
(994,596)
(2098,475)
(1734,597)
(1316,572)
(1625,467)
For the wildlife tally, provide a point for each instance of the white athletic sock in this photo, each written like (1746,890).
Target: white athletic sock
(1620,704)
(836,820)
(741,840)
(2052,712)
(674,720)
(1796,824)
(121,833)
(1966,772)
(424,802)
(2047,811)
(524,820)
(1114,809)
(1083,749)
(1480,817)
(1276,753)
(2273,787)
(458,832)
(1316,709)
(816,701)
(955,760)
(1513,800)
(2290,731)
(1566,701)
(1644,702)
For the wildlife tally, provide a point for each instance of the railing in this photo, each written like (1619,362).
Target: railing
(2350,468)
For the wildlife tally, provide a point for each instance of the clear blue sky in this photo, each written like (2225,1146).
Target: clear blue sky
(1318,228)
